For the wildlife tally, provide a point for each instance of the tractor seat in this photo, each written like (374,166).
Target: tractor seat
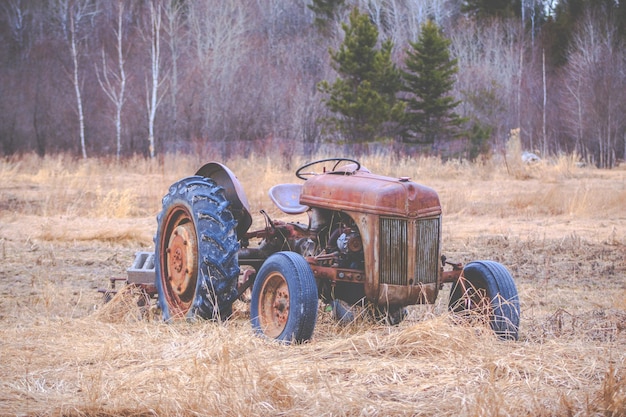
(287,198)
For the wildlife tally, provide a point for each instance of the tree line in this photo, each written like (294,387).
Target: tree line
(123,77)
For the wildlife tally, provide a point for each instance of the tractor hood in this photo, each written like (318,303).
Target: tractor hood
(363,191)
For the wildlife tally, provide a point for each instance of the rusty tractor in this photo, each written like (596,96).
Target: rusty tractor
(370,240)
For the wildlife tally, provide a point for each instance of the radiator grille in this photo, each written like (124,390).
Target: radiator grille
(427,250)
(394,257)
(409,242)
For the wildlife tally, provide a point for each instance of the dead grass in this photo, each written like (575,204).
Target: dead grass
(125,366)
(67,225)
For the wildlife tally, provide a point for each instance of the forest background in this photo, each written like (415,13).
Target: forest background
(121,78)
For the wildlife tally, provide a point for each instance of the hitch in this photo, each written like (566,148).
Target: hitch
(140,274)
(450,276)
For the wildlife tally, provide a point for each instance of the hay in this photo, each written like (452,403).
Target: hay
(65,353)
(113,363)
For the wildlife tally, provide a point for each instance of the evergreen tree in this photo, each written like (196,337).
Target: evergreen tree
(492,8)
(326,11)
(429,78)
(364,94)
(559,29)
(567,16)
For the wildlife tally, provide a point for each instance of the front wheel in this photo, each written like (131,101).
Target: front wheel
(284,299)
(486,289)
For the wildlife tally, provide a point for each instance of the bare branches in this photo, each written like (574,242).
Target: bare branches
(17,15)
(595,78)
(216,71)
(153,96)
(113,82)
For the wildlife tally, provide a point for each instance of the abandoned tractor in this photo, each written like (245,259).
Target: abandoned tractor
(370,241)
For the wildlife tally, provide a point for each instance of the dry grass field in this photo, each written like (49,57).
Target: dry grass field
(66,226)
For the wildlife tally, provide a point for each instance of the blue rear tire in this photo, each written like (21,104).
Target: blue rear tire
(196,254)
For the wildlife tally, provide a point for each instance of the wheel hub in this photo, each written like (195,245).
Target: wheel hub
(182,260)
(274,302)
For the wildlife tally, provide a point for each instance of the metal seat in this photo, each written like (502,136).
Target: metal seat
(287,198)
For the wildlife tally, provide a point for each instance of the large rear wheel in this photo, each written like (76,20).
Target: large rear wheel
(284,299)
(196,252)
(487,291)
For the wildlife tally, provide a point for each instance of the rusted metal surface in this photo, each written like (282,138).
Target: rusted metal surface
(399,222)
(334,274)
(148,289)
(278,229)
(274,305)
(402,254)
(401,295)
(454,274)
(365,192)
(409,250)
(179,264)
(393,225)
(182,260)
(450,276)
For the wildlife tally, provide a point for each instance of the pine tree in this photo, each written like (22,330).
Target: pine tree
(363,96)
(325,12)
(567,17)
(429,78)
(492,8)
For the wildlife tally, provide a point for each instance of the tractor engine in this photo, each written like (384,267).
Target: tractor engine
(344,248)
(384,235)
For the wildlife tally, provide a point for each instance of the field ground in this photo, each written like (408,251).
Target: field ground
(67,226)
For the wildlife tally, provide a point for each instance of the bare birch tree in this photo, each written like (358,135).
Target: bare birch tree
(113,81)
(17,15)
(489,64)
(153,96)
(218,38)
(174,38)
(401,20)
(70,16)
(596,75)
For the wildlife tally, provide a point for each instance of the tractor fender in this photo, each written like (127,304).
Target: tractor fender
(239,206)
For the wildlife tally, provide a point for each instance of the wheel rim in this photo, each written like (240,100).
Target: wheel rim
(274,305)
(179,261)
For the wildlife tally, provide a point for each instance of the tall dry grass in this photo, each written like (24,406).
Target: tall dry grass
(105,188)
(67,225)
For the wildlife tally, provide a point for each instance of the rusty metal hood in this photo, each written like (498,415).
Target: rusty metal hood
(370,193)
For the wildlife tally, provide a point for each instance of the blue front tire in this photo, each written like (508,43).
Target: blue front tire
(284,299)
(487,289)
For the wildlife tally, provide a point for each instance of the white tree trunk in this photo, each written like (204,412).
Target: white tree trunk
(115,90)
(152,99)
(545,99)
(120,99)
(173,14)
(76,81)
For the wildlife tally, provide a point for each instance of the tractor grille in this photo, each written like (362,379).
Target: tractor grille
(394,251)
(427,250)
(409,242)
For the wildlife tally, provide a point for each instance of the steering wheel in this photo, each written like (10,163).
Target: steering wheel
(302,175)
